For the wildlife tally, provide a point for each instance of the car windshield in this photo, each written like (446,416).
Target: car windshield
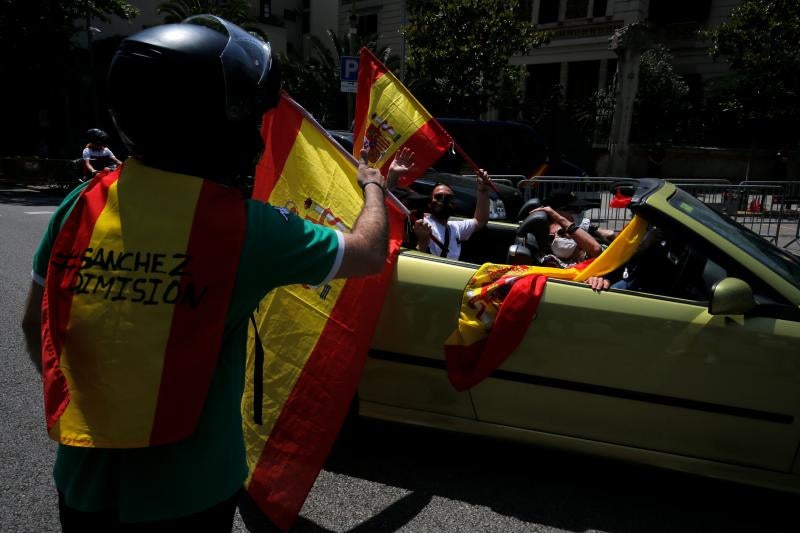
(781,262)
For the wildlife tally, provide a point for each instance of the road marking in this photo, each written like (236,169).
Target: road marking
(39,212)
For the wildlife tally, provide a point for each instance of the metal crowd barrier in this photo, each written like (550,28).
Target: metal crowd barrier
(770,209)
(751,205)
(787,203)
(593,189)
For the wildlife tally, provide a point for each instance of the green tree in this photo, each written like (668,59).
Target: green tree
(661,99)
(237,11)
(41,67)
(314,82)
(760,42)
(459,50)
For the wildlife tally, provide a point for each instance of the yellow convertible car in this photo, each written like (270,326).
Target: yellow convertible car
(696,369)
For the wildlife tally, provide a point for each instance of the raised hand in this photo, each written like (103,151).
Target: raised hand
(367,174)
(402,163)
(483,179)
(423,232)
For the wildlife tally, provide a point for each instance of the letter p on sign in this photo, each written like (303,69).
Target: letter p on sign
(348,73)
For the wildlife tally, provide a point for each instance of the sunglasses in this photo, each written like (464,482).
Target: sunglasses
(560,233)
(443,197)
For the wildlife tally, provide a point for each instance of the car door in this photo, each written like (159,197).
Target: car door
(653,372)
(406,368)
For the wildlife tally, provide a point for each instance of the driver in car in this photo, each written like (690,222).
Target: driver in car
(437,234)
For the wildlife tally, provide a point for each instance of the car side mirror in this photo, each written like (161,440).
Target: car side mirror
(731,296)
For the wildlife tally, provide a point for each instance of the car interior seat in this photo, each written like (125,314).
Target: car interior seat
(531,238)
(527,207)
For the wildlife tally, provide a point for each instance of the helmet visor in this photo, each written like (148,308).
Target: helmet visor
(246,62)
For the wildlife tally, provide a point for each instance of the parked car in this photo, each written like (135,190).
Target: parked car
(698,370)
(503,147)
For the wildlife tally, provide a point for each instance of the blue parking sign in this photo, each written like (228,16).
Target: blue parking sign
(348,73)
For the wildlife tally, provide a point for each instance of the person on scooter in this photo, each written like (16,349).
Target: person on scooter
(97,156)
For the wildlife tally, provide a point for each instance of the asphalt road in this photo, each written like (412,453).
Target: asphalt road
(383,477)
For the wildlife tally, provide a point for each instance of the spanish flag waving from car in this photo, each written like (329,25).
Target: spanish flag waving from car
(388,117)
(309,345)
(500,302)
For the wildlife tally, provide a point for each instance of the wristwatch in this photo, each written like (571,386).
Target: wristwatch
(572,228)
(364,186)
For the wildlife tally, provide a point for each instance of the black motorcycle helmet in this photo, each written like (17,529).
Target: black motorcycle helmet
(189,97)
(97,136)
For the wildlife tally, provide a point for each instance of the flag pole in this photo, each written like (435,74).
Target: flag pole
(472,165)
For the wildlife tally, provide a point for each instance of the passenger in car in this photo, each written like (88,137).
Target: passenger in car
(570,206)
(437,234)
(569,245)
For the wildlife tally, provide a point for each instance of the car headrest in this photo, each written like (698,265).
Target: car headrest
(538,224)
(527,207)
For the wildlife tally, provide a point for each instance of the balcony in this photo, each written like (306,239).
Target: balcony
(605,29)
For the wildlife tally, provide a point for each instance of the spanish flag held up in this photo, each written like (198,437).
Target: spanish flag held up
(500,301)
(304,364)
(389,118)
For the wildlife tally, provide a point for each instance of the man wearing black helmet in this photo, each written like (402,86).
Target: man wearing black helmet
(146,277)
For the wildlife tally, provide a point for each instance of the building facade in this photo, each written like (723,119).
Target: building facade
(578,57)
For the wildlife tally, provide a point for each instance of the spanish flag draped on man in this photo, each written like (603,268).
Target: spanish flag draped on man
(305,362)
(309,345)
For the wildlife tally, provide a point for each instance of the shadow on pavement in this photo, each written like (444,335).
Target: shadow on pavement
(556,489)
(10,195)
(392,518)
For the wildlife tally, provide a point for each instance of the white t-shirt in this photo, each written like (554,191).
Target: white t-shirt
(94,153)
(460,231)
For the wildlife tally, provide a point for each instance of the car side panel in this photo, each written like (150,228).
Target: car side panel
(420,311)
(653,373)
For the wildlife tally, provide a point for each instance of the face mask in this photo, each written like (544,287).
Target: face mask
(563,248)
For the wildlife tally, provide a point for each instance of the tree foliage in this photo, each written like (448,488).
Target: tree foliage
(760,42)
(41,66)
(236,11)
(314,82)
(35,32)
(661,98)
(459,50)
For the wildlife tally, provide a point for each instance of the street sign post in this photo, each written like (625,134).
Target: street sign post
(348,73)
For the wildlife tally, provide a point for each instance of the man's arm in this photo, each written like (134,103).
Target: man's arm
(586,242)
(365,247)
(32,324)
(481,215)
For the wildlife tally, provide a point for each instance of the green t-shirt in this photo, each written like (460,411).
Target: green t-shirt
(157,483)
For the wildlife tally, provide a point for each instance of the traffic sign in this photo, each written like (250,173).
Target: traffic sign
(348,73)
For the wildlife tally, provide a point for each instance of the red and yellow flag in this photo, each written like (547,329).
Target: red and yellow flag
(314,339)
(133,276)
(500,301)
(389,118)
